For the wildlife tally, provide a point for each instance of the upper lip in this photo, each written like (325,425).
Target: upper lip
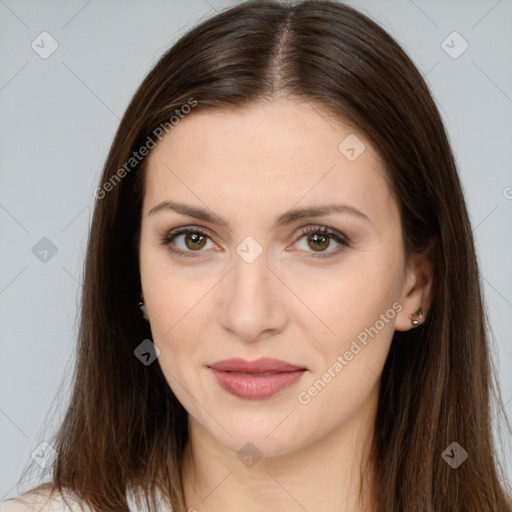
(262,365)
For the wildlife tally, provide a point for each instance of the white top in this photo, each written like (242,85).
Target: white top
(40,503)
(134,507)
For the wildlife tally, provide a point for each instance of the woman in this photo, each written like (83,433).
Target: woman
(282,204)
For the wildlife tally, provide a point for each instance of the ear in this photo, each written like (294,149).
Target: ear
(417,290)
(143,308)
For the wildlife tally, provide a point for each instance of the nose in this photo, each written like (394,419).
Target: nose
(253,306)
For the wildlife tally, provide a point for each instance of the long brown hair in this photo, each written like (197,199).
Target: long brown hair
(124,425)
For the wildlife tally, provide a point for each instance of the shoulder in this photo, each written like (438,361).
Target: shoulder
(42,501)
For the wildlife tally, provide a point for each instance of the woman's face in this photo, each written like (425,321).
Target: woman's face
(268,283)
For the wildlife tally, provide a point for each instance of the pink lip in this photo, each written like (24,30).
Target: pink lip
(243,378)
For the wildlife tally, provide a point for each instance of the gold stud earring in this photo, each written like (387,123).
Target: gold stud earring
(416,317)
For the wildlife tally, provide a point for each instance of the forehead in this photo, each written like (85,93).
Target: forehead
(266,157)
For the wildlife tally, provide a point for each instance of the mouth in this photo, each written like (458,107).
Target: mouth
(255,380)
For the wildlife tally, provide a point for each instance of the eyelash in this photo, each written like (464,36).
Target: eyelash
(338,237)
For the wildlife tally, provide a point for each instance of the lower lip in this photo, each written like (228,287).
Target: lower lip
(254,387)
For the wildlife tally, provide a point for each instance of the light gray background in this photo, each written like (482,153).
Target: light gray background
(58,117)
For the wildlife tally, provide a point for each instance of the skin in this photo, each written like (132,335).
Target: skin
(249,167)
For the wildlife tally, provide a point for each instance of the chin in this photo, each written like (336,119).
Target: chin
(257,444)
(264,433)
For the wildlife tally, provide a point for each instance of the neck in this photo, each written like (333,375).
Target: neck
(321,476)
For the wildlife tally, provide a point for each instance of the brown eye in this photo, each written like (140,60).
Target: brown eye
(193,241)
(318,242)
(320,238)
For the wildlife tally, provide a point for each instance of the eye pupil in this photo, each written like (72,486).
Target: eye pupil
(319,238)
(195,239)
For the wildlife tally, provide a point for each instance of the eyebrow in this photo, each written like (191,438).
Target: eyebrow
(286,218)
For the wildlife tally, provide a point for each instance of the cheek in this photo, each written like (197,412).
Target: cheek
(178,324)
(175,295)
(178,329)
(358,311)
(346,302)
(346,373)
